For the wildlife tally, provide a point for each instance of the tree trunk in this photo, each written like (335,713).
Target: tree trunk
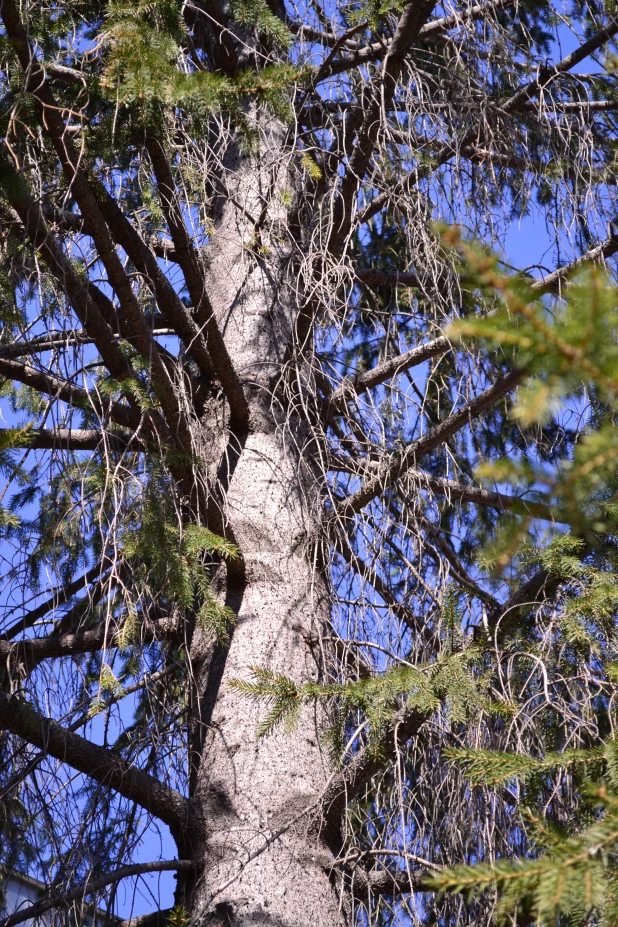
(246,790)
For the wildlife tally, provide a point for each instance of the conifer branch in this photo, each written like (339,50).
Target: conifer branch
(52,122)
(188,259)
(401,463)
(431,30)
(33,651)
(365,883)
(99,763)
(364,765)
(63,899)
(51,385)
(81,439)
(413,18)
(59,596)
(95,326)
(553,282)
(352,387)
(363,569)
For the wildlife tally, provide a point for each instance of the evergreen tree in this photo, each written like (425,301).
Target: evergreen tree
(308,526)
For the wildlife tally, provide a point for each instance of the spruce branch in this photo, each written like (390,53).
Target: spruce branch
(401,462)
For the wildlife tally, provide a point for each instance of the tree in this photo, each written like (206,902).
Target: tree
(242,592)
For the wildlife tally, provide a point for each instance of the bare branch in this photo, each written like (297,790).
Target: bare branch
(375,580)
(188,259)
(67,392)
(365,883)
(429,30)
(58,597)
(392,278)
(104,636)
(355,386)
(364,765)
(566,64)
(52,122)
(111,770)
(400,463)
(552,282)
(69,339)
(63,899)
(81,439)
(88,313)
(410,24)
(73,222)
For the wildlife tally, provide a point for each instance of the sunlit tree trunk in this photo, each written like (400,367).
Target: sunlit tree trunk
(263,856)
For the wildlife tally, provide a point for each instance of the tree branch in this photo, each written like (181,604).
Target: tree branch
(52,122)
(473,136)
(70,339)
(51,385)
(363,569)
(430,30)
(367,883)
(80,439)
(34,911)
(73,222)
(552,283)
(392,278)
(33,651)
(101,764)
(188,260)
(363,766)
(401,463)
(60,596)
(352,387)
(408,29)
(442,486)
(497,500)
(30,215)
(566,64)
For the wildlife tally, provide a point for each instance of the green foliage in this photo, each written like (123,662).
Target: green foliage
(178,917)
(574,876)
(108,685)
(173,560)
(258,15)
(449,682)
(486,767)
(373,12)
(567,352)
(143,62)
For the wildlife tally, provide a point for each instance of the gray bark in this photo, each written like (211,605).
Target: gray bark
(264,860)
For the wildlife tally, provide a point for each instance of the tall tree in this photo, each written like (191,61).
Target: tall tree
(241,466)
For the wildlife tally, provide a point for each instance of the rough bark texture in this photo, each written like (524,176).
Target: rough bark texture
(247,790)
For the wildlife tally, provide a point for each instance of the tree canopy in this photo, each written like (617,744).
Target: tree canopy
(309,516)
